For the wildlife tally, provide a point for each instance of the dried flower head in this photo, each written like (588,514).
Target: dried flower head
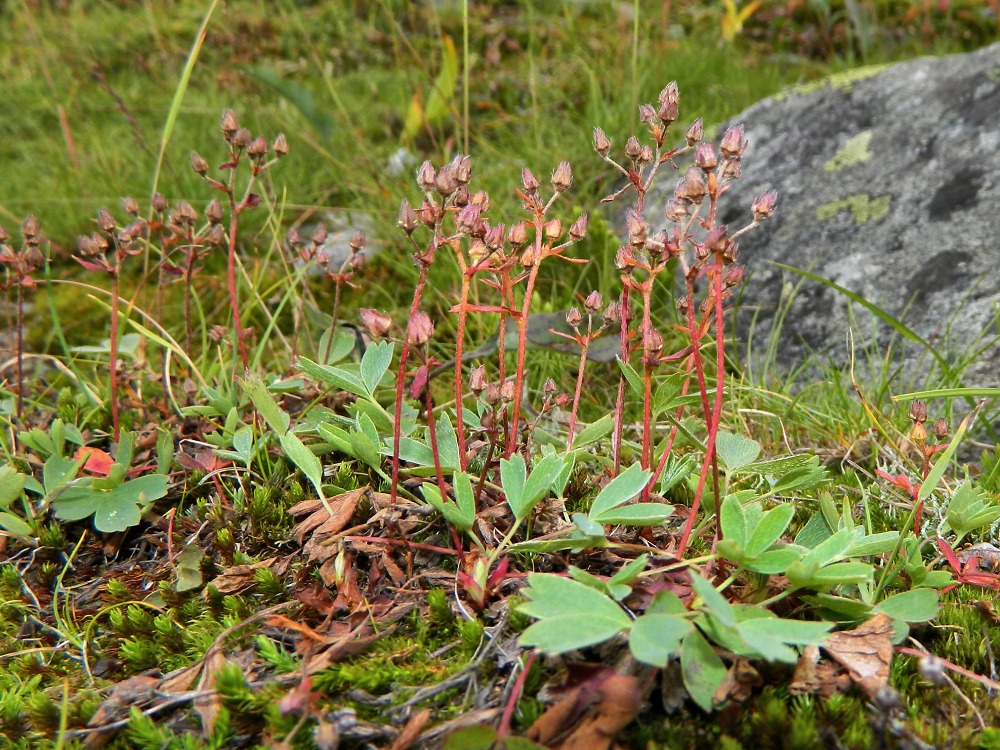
(518,234)
(407,220)
(763,206)
(229,124)
(258,147)
(130,206)
(280,146)
(242,138)
(705,157)
(594,302)
(578,229)
(420,329)
(199,164)
(461,167)
(574,317)
(562,177)
(695,133)
(692,186)
(733,143)
(602,144)
(376,323)
(633,148)
(213,212)
(528,181)
(478,382)
(426,178)
(106,221)
(159,203)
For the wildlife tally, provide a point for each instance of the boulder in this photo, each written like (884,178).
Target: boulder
(889,186)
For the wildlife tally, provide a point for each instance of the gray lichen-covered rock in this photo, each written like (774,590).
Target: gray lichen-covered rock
(889,186)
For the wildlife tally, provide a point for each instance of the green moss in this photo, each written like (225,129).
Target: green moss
(863,208)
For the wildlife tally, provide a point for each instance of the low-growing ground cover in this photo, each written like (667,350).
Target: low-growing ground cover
(277,505)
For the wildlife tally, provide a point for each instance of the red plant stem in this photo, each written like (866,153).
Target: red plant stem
(400,378)
(720,382)
(20,350)
(584,344)
(522,344)
(188,289)
(515,694)
(114,350)
(647,382)
(661,465)
(459,351)
(710,447)
(985,681)
(616,437)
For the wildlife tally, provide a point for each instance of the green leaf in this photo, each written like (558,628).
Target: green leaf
(941,465)
(116,514)
(735,451)
(676,471)
(712,600)
(833,548)
(189,567)
(667,391)
(769,529)
(375,363)
(640,514)
(304,459)
(873,544)
(572,615)
(265,404)
(618,491)
(333,376)
(616,591)
(593,432)
(775,561)
(968,510)
(13,524)
(343,344)
(654,638)
(815,531)
(11,485)
(632,377)
(918,605)
(843,607)
(451,512)
(702,669)
(666,603)
(513,474)
(464,497)
(631,571)
(734,521)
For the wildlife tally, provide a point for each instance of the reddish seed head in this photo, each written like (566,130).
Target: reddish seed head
(518,234)
(552,229)
(377,324)
(578,230)
(763,207)
(446,184)
(31,229)
(217,235)
(160,204)
(478,382)
(562,177)
(258,147)
(733,143)
(705,157)
(633,148)
(318,235)
(602,144)
(676,210)
(493,239)
(426,177)
(940,429)
(668,112)
(280,146)
(670,93)
(213,211)
(229,124)
(574,317)
(594,302)
(692,186)
(695,133)
(358,241)
(733,275)
(420,329)
(637,228)
(528,181)
(130,206)
(468,219)
(647,115)
(407,220)
(198,163)
(918,411)
(242,138)
(461,167)
(105,221)
(731,169)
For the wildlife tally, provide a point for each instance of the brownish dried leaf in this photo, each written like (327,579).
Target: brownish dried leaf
(239,578)
(738,683)
(208,706)
(865,652)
